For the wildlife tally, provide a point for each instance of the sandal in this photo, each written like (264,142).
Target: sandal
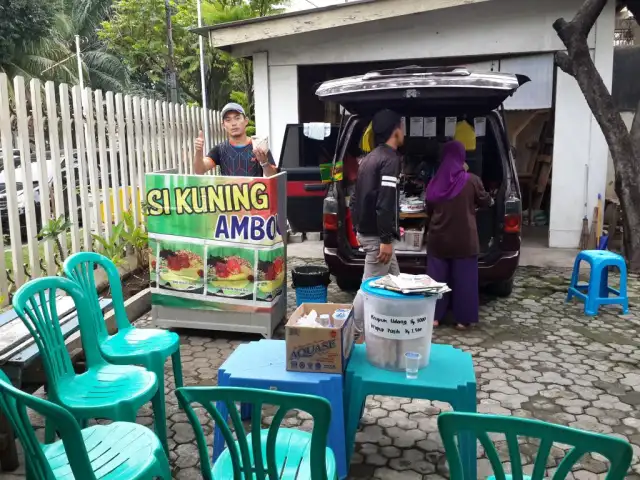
(436,324)
(461,327)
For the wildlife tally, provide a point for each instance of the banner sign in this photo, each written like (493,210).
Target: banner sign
(216,242)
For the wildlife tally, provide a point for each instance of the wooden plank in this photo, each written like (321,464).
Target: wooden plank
(161,139)
(11,315)
(131,145)
(179,140)
(166,161)
(123,153)
(78,121)
(113,159)
(186,140)
(404,215)
(27,355)
(153,137)
(54,147)
(16,336)
(70,172)
(92,163)
(146,141)
(27,178)
(137,123)
(105,199)
(172,137)
(42,174)
(6,137)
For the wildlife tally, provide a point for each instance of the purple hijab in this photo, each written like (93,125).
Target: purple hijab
(451,176)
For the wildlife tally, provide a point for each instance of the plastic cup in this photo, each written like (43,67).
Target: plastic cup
(412,362)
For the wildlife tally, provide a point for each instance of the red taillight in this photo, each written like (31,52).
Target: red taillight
(512,223)
(330,221)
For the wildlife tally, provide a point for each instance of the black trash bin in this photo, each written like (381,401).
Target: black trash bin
(310,283)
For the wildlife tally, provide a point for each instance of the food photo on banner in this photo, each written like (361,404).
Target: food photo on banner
(216,242)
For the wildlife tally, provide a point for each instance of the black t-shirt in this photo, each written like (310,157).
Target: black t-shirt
(237,161)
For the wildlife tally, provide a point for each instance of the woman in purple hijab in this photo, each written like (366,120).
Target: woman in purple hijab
(452,197)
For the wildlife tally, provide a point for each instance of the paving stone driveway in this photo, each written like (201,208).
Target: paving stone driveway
(534,356)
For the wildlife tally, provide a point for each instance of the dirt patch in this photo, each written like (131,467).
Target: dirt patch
(132,284)
(135,283)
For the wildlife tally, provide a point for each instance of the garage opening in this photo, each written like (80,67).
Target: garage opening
(529,118)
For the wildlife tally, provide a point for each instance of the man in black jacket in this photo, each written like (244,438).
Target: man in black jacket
(374,205)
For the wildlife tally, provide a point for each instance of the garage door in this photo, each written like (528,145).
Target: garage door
(537,94)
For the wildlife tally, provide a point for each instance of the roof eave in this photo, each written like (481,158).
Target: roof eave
(225,36)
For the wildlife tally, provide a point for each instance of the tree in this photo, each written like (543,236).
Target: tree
(136,32)
(41,39)
(22,22)
(623,144)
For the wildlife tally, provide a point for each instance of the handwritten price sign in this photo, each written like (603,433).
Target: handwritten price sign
(399,328)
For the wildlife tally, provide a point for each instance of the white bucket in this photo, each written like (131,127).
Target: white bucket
(396,324)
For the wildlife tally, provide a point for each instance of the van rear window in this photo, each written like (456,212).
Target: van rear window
(299,151)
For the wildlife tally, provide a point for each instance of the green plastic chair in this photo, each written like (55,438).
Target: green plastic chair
(617,451)
(273,453)
(130,345)
(119,451)
(108,391)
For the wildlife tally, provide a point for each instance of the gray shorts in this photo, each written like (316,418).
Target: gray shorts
(372,268)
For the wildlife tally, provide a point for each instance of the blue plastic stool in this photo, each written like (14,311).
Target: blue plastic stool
(449,377)
(262,364)
(317,294)
(596,291)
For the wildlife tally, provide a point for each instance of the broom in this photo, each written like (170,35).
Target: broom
(592,243)
(584,236)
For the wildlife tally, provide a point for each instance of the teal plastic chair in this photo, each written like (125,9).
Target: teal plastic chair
(108,391)
(119,451)
(451,424)
(130,345)
(273,453)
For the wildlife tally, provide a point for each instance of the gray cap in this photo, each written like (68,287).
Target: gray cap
(233,107)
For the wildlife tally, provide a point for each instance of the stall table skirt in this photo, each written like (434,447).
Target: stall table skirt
(449,378)
(262,365)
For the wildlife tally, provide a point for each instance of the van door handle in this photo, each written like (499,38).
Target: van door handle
(315,187)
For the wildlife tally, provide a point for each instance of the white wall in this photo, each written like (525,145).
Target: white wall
(283,99)
(496,27)
(578,142)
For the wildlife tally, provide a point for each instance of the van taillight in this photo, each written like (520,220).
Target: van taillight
(330,221)
(330,213)
(512,223)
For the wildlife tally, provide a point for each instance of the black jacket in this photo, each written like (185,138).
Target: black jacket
(374,205)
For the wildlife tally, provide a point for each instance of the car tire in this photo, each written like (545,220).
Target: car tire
(348,284)
(502,289)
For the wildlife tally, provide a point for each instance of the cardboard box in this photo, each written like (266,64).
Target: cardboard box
(319,350)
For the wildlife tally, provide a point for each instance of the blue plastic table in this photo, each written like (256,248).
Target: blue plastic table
(449,377)
(262,364)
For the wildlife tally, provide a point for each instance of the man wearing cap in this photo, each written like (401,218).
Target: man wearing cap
(375,203)
(236,157)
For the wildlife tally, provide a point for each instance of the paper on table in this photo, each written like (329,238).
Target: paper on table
(429,127)
(416,126)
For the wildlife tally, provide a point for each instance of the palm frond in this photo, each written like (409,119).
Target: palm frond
(88,14)
(106,71)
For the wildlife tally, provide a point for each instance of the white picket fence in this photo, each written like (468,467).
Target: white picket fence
(88,167)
